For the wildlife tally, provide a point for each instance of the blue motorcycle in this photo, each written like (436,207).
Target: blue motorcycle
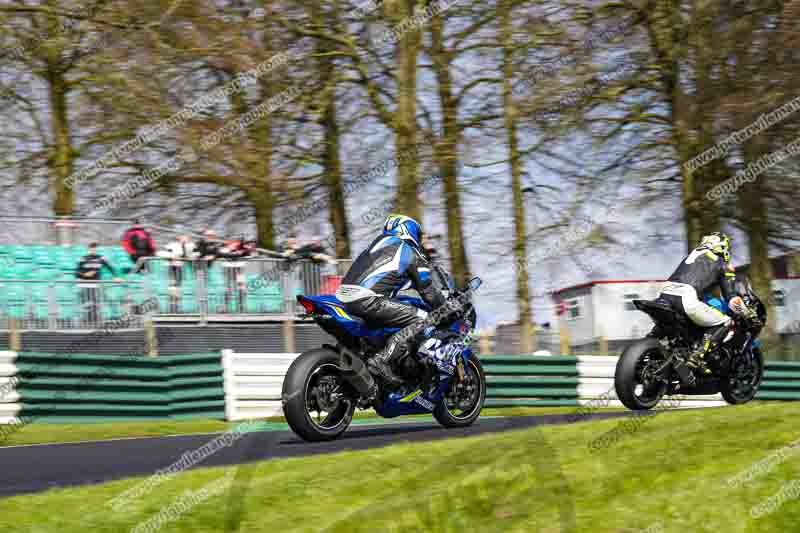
(442,376)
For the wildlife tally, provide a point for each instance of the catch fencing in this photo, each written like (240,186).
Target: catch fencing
(255,285)
(72,304)
(193,289)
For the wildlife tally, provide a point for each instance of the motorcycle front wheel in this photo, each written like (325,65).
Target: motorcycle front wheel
(462,404)
(744,378)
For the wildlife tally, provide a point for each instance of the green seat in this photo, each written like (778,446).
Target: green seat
(49,273)
(39,301)
(43,255)
(6,268)
(67,300)
(23,254)
(28,273)
(13,298)
(189,304)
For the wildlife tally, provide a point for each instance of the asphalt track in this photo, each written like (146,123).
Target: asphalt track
(36,468)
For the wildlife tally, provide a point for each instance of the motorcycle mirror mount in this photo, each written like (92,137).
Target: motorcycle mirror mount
(474,284)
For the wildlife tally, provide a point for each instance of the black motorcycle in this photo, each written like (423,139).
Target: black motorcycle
(658,365)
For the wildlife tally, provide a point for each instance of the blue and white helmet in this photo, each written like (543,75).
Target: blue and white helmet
(405,228)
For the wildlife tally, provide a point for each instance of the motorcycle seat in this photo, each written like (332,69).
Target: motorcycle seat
(658,309)
(654,305)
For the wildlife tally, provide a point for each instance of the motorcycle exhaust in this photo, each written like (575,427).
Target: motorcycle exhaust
(684,373)
(355,372)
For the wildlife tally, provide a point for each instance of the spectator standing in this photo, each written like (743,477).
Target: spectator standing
(235,252)
(310,256)
(313,251)
(89,271)
(138,242)
(208,250)
(178,253)
(209,246)
(429,248)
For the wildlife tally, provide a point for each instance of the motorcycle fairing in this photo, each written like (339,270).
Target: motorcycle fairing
(330,305)
(404,402)
(420,401)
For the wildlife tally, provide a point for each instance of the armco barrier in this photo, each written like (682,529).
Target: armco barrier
(249,385)
(548,381)
(9,398)
(253,383)
(77,387)
(531,381)
(781,381)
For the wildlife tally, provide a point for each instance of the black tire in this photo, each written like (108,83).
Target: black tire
(626,376)
(448,419)
(295,396)
(734,396)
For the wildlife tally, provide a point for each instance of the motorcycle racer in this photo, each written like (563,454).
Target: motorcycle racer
(394,261)
(706,267)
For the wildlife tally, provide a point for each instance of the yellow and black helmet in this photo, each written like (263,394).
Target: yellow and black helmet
(719,243)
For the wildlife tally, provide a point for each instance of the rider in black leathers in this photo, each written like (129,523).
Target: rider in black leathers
(706,267)
(393,262)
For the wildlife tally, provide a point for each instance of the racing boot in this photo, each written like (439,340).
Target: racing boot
(381,364)
(712,338)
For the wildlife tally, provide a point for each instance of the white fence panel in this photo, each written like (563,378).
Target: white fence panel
(596,375)
(9,397)
(253,383)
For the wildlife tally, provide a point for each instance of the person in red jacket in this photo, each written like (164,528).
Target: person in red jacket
(138,242)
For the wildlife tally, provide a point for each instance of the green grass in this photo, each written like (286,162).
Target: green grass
(44,433)
(672,473)
(48,433)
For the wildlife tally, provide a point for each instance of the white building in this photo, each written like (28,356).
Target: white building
(604,310)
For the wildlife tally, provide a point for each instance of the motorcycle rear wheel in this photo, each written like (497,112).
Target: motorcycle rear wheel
(634,389)
(314,384)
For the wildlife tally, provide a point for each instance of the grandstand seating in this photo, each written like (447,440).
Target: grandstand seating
(52,263)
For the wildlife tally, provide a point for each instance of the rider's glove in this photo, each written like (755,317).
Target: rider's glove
(738,306)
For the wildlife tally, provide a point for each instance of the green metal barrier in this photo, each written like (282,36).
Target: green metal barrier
(89,387)
(781,381)
(531,381)
(539,381)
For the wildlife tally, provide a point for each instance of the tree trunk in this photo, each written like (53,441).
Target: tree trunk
(331,162)
(264,204)
(756,221)
(62,159)
(665,27)
(261,194)
(447,155)
(333,180)
(527,331)
(760,266)
(408,201)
